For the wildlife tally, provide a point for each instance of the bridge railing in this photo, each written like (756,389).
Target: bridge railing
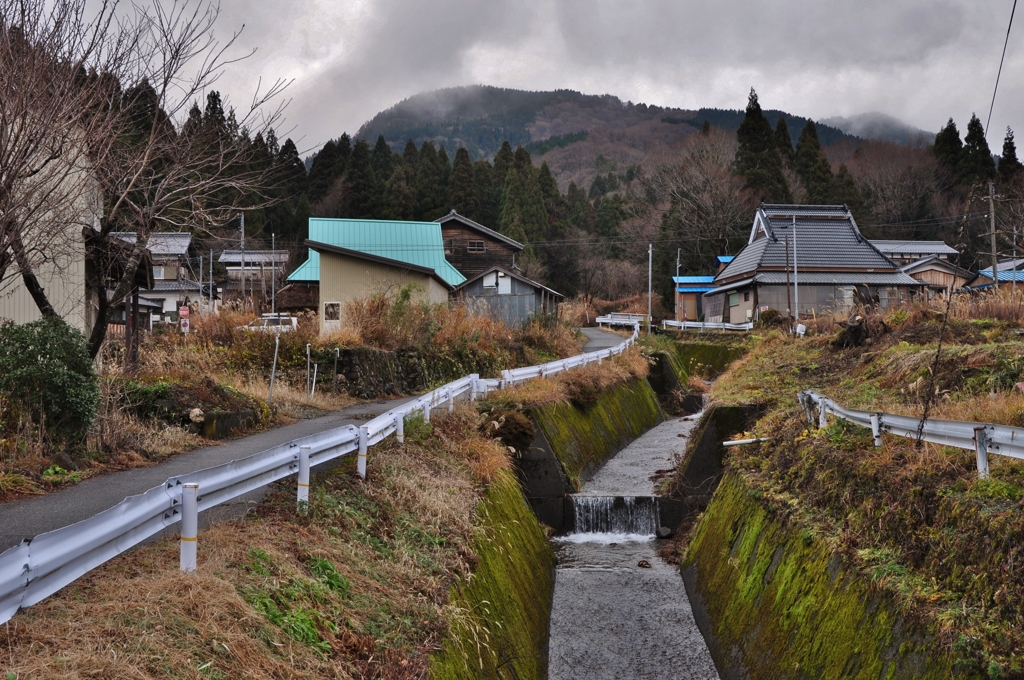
(39,567)
(706,325)
(621,319)
(982,438)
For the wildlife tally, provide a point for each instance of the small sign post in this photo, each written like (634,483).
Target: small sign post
(183,319)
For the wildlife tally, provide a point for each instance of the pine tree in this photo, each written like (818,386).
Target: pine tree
(783,142)
(321,173)
(400,201)
(486,193)
(523,216)
(705,129)
(429,186)
(948,146)
(975,163)
(380,159)
(410,156)
(757,159)
(362,203)
(293,170)
(502,162)
(813,168)
(1009,166)
(344,148)
(845,192)
(581,214)
(462,192)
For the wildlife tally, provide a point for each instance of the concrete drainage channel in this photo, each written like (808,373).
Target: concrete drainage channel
(619,610)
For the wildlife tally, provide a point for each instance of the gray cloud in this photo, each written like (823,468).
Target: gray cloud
(920,60)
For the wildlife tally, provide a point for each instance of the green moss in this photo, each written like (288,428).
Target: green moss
(582,440)
(500,616)
(786,606)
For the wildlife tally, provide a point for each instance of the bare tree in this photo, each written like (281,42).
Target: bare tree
(59,74)
(901,186)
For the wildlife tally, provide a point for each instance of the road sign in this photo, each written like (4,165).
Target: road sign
(183,312)
(184,324)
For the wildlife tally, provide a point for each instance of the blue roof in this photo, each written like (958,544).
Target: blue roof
(693,279)
(725,259)
(694,289)
(1004,275)
(417,243)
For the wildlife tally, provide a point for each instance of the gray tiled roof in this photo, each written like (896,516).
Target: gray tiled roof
(161,242)
(180,284)
(842,278)
(253,256)
(826,238)
(914,247)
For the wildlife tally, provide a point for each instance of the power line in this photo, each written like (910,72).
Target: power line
(1000,71)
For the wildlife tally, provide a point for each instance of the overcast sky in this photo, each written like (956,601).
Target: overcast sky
(919,60)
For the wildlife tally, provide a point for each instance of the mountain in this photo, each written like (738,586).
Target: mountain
(580,136)
(881,126)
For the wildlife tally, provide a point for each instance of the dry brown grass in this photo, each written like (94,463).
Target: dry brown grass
(399,540)
(1001,305)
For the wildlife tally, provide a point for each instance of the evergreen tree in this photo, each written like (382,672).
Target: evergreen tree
(502,162)
(581,214)
(444,166)
(705,129)
(523,216)
(380,159)
(948,146)
(293,170)
(344,153)
(757,160)
(321,173)
(362,196)
(430,192)
(813,168)
(299,230)
(400,201)
(783,142)
(547,183)
(462,191)
(410,156)
(1009,166)
(975,163)
(845,192)
(486,193)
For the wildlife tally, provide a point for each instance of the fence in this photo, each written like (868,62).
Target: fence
(39,567)
(982,438)
(706,326)
(621,319)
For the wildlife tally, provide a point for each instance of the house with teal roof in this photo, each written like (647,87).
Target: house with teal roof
(349,259)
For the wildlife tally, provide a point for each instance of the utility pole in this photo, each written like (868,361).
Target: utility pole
(241,216)
(273,273)
(796,283)
(211,279)
(201,283)
(789,292)
(992,222)
(675,293)
(650,269)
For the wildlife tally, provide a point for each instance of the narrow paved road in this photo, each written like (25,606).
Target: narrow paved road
(598,338)
(31,516)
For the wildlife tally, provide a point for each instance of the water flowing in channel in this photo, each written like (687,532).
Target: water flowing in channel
(628,515)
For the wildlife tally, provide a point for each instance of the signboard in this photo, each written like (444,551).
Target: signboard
(184,324)
(183,312)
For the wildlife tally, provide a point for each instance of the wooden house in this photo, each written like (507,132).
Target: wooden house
(506,296)
(473,249)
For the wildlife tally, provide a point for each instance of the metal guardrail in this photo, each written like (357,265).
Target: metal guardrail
(982,438)
(621,319)
(706,325)
(39,567)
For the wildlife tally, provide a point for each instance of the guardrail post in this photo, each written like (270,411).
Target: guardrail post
(472,388)
(981,448)
(361,462)
(400,428)
(426,409)
(805,402)
(822,420)
(876,429)
(451,400)
(189,526)
(302,495)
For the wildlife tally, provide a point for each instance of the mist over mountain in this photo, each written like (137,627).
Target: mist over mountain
(875,125)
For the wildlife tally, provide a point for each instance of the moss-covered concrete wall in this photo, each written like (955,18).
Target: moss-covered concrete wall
(501,618)
(775,602)
(582,440)
(672,370)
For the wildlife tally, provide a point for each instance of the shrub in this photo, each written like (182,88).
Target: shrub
(46,373)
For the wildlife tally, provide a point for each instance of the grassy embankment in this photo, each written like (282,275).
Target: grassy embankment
(146,415)
(915,520)
(433,567)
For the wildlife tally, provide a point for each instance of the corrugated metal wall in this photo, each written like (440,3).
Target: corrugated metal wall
(511,309)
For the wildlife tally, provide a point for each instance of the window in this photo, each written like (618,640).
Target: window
(746,296)
(491,280)
(475,247)
(448,246)
(504,284)
(734,299)
(332,311)
(158,272)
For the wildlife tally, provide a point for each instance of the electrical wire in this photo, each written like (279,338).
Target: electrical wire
(1000,71)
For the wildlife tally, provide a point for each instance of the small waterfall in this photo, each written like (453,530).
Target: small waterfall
(616,515)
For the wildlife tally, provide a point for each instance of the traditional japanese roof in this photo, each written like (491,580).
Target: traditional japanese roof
(520,277)
(823,238)
(454,216)
(412,243)
(161,243)
(234,257)
(914,248)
